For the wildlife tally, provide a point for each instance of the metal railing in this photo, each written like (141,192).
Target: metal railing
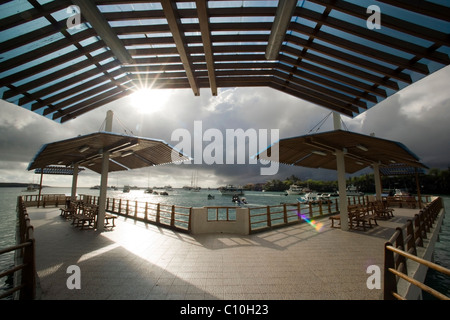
(399,248)
(176,217)
(24,287)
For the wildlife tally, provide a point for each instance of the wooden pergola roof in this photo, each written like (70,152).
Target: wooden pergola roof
(320,51)
(126,152)
(361,151)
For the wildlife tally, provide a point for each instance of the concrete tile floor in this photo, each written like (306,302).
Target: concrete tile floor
(140,261)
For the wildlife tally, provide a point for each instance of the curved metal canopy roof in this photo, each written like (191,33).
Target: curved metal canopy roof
(126,152)
(321,51)
(318,151)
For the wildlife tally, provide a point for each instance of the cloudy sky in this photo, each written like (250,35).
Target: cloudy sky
(418,116)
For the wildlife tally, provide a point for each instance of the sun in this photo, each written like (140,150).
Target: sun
(147,100)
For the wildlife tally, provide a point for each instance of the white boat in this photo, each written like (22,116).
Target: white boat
(231,190)
(313,197)
(149,190)
(353,191)
(401,193)
(295,189)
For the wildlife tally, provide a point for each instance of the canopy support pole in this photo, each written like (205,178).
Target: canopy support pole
(419,195)
(377,178)
(40,188)
(342,189)
(104,178)
(340,162)
(73,194)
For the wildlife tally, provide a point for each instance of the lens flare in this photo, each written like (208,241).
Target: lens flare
(312,223)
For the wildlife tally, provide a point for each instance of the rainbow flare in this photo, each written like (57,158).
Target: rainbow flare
(313,223)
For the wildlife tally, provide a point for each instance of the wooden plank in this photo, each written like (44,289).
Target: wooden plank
(362,49)
(377,37)
(395,23)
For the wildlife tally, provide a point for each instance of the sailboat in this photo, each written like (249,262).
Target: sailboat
(194,182)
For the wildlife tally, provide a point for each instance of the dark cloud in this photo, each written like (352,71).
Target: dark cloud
(416,116)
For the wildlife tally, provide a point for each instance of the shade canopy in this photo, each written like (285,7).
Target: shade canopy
(64,58)
(58,170)
(318,151)
(126,152)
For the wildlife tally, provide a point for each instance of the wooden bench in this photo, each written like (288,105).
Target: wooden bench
(110,217)
(86,214)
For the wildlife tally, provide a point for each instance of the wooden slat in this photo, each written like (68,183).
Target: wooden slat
(377,37)
(395,23)
(422,7)
(352,83)
(328,83)
(362,49)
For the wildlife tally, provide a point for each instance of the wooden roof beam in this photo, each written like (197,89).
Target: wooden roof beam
(430,9)
(207,43)
(362,49)
(404,26)
(93,15)
(280,25)
(328,74)
(280,87)
(383,39)
(174,22)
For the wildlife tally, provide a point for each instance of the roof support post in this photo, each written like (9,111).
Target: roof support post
(73,193)
(377,177)
(104,178)
(342,189)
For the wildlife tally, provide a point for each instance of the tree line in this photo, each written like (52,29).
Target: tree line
(436,181)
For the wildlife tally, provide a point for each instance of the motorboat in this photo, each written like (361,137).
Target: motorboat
(295,189)
(126,189)
(148,190)
(231,190)
(313,198)
(353,191)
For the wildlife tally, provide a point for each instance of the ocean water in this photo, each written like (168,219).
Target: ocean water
(180,197)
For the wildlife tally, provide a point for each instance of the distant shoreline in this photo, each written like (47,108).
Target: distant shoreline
(18,185)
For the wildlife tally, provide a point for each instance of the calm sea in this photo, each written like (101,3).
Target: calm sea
(8,198)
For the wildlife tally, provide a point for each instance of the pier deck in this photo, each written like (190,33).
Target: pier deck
(143,261)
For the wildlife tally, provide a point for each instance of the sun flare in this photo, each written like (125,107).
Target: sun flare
(148,100)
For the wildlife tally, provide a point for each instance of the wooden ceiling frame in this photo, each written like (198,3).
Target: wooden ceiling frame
(213,49)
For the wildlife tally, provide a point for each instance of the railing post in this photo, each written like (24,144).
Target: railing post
(310,210)
(135,208)
(390,282)
(190,218)
(269,222)
(172,217)
(127,208)
(158,213)
(28,292)
(399,243)
(120,206)
(285,213)
(411,244)
(320,208)
(146,211)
